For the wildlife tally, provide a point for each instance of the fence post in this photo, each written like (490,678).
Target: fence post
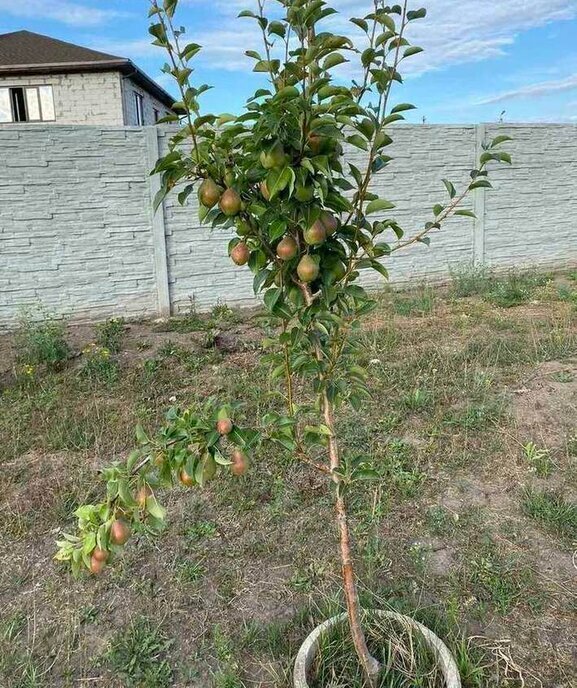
(479,204)
(158,229)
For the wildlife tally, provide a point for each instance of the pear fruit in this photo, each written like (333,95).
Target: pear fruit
(304,193)
(239,463)
(185,478)
(287,248)
(224,426)
(307,269)
(315,143)
(119,532)
(230,203)
(99,554)
(330,222)
(315,234)
(96,565)
(336,269)
(240,254)
(274,157)
(264,191)
(209,193)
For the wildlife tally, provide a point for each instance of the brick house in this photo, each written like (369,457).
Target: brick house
(47,80)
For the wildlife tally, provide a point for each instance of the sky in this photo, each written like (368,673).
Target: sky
(483,60)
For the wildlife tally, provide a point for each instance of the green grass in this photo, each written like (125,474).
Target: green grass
(138,654)
(41,340)
(418,303)
(110,334)
(388,641)
(441,521)
(98,366)
(190,571)
(470,281)
(499,580)
(538,459)
(475,416)
(503,290)
(552,511)
(220,316)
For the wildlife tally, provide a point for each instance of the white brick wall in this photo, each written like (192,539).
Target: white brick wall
(150,104)
(75,221)
(86,98)
(76,226)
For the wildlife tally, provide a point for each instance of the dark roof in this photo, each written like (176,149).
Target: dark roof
(27,53)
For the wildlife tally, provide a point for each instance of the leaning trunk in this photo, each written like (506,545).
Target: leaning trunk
(371,666)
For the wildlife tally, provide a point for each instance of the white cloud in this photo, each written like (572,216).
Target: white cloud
(454,32)
(64,11)
(543,88)
(134,49)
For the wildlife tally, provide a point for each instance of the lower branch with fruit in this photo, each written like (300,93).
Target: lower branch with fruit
(188,449)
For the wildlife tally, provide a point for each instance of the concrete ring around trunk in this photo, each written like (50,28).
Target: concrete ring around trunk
(441,652)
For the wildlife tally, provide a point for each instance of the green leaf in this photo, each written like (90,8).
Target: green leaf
(417,14)
(125,494)
(500,139)
(392,118)
(277,181)
(288,93)
(333,60)
(219,457)
(361,23)
(286,442)
(378,267)
(387,21)
(266,66)
(277,229)
(155,509)
(277,28)
(357,141)
(402,107)
(465,213)
(412,50)
(271,297)
(190,51)
(141,436)
(358,177)
(377,205)
(480,184)
(450,188)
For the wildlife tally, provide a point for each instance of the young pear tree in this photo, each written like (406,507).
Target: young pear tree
(307,223)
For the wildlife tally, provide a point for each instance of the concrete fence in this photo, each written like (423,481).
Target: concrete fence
(78,235)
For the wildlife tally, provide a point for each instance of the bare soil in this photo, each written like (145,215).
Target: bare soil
(246,568)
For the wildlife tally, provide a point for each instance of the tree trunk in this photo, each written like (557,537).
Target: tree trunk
(371,666)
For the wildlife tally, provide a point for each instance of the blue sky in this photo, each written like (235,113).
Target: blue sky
(481,56)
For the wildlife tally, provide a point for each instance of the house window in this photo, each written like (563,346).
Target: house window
(19,110)
(26,104)
(156,115)
(139,109)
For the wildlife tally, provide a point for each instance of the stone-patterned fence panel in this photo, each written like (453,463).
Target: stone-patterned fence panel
(78,235)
